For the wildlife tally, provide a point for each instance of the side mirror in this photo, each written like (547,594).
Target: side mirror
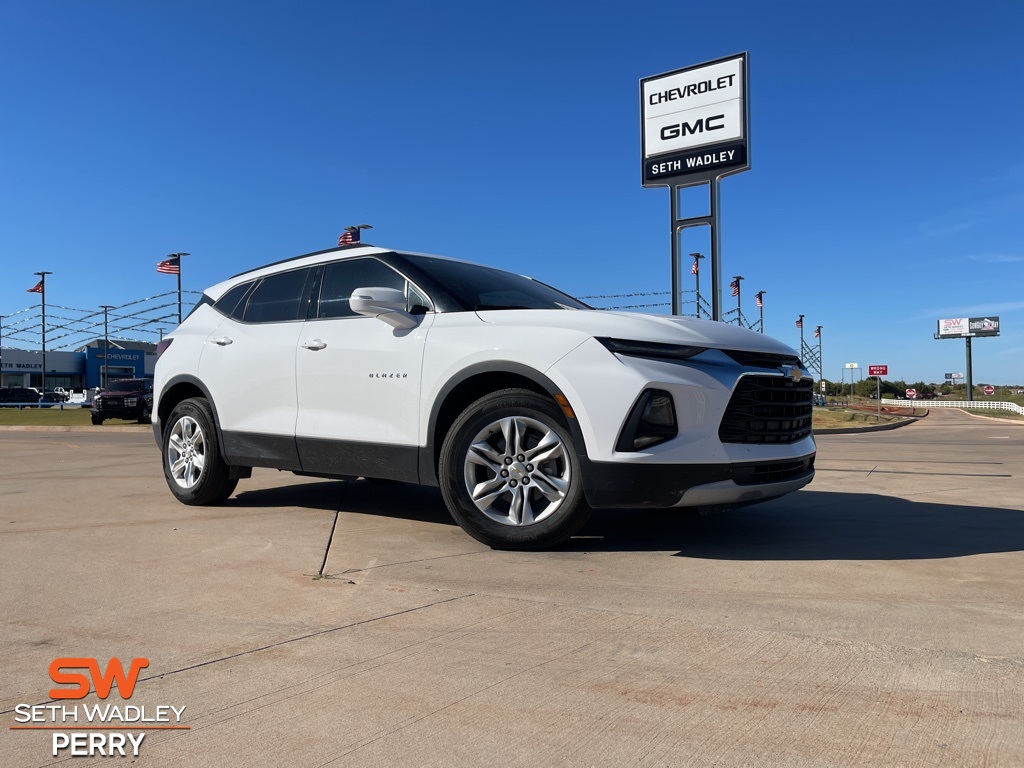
(387,304)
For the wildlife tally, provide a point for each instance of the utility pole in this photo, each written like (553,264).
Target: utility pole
(2,350)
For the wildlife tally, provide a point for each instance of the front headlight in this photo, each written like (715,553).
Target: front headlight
(649,349)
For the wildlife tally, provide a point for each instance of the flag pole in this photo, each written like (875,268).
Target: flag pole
(695,269)
(42,295)
(178,271)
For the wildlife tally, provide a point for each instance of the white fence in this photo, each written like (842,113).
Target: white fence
(985,405)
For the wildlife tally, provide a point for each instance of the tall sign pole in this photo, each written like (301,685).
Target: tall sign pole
(695,126)
(967,328)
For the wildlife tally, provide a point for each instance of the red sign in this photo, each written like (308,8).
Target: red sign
(911,393)
(878,370)
(990,390)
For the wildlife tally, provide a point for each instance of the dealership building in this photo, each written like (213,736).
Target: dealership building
(82,369)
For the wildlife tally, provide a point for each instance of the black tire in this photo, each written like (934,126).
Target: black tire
(522,503)
(145,417)
(97,420)
(190,434)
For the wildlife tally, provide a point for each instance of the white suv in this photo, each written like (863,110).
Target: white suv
(524,405)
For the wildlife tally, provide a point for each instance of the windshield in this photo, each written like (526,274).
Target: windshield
(482,288)
(126,385)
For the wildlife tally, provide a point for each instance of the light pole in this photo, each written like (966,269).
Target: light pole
(695,270)
(2,350)
(103,372)
(42,295)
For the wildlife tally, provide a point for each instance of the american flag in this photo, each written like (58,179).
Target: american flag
(758,297)
(817,333)
(169,266)
(37,289)
(735,285)
(349,237)
(800,323)
(695,268)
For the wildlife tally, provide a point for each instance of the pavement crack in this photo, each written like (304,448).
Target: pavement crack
(334,525)
(279,643)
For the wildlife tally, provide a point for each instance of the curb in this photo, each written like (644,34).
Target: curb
(874,428)
(994,419)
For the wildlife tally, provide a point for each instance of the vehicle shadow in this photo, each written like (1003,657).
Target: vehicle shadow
(808,525)
(403,501)
(811,525)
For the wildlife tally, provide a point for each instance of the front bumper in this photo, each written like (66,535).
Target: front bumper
(610,485)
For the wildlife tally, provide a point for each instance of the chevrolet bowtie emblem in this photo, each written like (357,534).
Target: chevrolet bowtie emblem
(793,372)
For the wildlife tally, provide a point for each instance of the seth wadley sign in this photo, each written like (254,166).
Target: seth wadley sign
(694,119)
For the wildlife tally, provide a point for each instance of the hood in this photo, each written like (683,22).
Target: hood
(640,327)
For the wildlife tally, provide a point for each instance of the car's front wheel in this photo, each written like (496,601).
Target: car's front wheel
(97,420)
(510,474)
(193,467)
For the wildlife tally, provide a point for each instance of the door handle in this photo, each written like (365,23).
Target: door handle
(315,344)
(223,341)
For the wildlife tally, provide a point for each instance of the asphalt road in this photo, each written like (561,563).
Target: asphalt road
(874,618)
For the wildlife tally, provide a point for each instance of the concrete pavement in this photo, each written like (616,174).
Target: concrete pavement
(872,618)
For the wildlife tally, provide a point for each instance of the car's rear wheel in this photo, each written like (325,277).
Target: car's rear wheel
(509,472)
(193,467)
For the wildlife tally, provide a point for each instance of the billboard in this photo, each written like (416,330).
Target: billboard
(693,122)
(963,327)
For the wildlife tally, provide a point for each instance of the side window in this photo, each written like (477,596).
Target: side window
(343,277)
(278,298)
(231,303)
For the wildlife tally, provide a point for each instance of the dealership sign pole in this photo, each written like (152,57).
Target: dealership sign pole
(967,328)
(694,127)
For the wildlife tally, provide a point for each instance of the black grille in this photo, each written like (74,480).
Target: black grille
(768,409)
(772,472)
(761,359)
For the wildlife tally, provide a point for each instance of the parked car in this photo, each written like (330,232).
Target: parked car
(19,395)
(124,399)
(524,405)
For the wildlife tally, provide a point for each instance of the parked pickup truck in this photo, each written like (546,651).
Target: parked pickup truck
(124,399)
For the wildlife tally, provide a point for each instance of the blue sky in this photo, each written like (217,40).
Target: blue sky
(887,187)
